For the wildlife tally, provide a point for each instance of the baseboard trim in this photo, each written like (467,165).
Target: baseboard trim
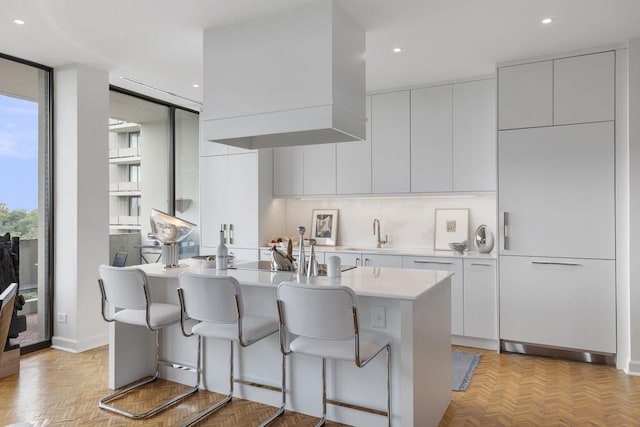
(75,346)
(484,343)
(633,368)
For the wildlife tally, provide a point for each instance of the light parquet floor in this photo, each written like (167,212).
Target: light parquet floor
(56,388)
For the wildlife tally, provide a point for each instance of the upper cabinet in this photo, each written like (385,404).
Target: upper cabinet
(453,137)
(584,89)
(525,94)
(431,139)
(390,143)
(438,139)
(353,169)
(288,163)
(474,136)
(319,175)
(578,89)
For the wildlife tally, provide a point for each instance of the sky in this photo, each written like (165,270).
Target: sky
(18,153)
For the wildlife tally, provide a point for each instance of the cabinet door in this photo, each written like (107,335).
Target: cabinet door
(379,260)
(457,295)
(561,302)
(480,312)
(242,212)
(431,139)
(214,177)
(390,143)
(525,95)
(584,88)
(288,171)
(474,136)
(557,191)
(353,167)
(319,169)
(348,258)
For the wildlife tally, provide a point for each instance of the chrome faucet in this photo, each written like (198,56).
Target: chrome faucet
(376,221)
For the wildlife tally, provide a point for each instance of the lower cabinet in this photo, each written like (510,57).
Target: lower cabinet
(562,302)
(480,299)
(368,260)
(457,293)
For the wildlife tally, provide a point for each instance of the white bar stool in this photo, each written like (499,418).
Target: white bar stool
(216,304)
(324,323)
(127,291)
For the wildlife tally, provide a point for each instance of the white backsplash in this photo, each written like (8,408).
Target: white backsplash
(409,221)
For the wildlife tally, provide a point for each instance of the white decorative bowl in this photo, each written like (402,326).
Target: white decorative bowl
(459,247)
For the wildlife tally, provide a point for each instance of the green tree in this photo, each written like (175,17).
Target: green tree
(20,222)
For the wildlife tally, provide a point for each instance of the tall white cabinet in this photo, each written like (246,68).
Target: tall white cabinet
(236,190)
(556,202)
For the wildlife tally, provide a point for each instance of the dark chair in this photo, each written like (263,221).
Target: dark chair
(120,259)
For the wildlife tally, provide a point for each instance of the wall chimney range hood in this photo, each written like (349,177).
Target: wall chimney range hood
(296,77)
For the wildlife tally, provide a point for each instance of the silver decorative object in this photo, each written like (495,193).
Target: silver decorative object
(483,239)
(169,230)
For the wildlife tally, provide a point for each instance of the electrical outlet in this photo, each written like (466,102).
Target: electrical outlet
(379,316)
(62,317)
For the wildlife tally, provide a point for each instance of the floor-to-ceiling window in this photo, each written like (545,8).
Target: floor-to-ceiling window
(153,164)
(25,194)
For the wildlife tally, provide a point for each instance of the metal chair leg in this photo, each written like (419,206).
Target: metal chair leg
(213,408)
(389,384)
(324,394)
(103,403)
(280,411)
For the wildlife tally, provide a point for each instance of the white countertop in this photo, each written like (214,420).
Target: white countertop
(427,252)
(394,283)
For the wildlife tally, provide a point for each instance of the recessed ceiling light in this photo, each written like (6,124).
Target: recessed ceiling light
(18,21)
(397,49)
(195,85)
(547,20)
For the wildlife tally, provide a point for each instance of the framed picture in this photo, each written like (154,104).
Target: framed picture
(451,225)
(324,226)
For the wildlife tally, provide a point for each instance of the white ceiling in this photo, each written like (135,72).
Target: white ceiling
(159,42)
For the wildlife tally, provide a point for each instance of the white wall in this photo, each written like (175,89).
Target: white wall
(622,209)
(634,205)
(409,221)
(81,195)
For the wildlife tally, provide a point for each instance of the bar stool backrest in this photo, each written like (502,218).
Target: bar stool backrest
(211,299)
(124,287)
(325,312)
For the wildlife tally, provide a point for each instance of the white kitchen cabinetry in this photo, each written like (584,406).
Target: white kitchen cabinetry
(480,299)
(474,136)
(561,302)
(457,293)
(525,95)
(235,190)
(557,191)
(288,169)
(368,259)
(390,143)
(319,170)
(578,89)
(353,168)
(431,139)
(304,170)
(584,88)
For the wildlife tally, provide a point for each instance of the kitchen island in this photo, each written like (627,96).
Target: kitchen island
(412,309)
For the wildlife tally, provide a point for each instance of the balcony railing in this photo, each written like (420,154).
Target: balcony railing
(124,220)
(116,153)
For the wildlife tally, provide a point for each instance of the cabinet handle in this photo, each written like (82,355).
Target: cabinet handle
(366,262)
(572,264)
(231,234)
(505,230)
(357,262)
(432,262)
(483,265)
